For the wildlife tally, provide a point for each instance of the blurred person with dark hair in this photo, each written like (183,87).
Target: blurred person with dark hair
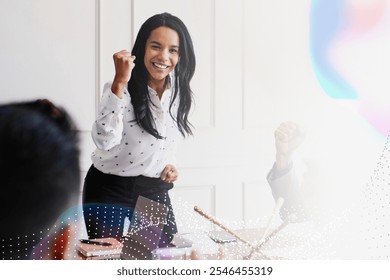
(39,163)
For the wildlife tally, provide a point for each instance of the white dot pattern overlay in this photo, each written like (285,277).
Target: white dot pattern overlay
(376,208)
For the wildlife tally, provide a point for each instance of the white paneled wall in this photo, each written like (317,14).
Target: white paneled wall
(62,50)
(48,51)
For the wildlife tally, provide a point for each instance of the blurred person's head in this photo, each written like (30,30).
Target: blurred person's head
(40,173)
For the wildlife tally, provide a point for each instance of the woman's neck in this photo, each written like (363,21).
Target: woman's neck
(159,86)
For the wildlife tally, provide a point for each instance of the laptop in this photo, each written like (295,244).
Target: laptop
(146,227)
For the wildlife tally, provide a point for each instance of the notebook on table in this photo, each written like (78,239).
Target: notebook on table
(93,251)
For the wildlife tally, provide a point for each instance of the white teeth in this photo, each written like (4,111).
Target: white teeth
(160,66)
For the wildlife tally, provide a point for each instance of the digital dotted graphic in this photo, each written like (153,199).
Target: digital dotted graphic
(376,208)
(144,233)
(47,244)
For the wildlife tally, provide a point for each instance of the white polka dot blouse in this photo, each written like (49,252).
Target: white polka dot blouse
(123,147)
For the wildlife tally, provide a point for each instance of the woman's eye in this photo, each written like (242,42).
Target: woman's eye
(174,50)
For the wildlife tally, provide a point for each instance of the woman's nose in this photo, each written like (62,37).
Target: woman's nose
(164,55)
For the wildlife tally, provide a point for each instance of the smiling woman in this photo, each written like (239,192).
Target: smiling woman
(141,116)
(161,57)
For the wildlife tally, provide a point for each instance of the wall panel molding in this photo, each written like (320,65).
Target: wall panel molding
(185,197)
(97,56)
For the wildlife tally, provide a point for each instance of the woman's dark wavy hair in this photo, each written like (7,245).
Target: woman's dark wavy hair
(184,71)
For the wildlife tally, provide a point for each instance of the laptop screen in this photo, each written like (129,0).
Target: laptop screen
(143,236)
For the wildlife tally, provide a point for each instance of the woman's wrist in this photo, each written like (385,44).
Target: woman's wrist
(282,161)
(118,87)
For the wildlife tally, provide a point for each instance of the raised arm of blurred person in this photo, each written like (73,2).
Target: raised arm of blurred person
(281,178)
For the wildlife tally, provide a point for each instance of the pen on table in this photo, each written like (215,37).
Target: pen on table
(256,249)
(87,241)
(239,237)
(275,212)
(225,228)
(290,219)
